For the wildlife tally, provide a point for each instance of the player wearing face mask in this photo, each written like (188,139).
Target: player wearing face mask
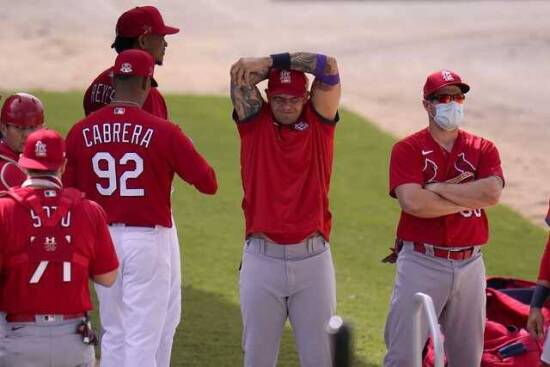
(449,109)
(443,178)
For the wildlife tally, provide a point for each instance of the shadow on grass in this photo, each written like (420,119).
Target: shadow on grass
(210,334)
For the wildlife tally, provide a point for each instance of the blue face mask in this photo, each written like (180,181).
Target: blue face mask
(449,116)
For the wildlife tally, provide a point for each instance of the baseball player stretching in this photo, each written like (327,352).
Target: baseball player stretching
(286,164)
(125,159)
(535,322)
(442,177)
(139,28)
(52,241)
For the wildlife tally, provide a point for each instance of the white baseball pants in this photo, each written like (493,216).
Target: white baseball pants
(140,312)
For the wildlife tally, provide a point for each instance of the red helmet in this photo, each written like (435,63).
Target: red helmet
(22,109)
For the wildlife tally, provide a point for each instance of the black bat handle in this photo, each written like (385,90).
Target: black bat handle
(340,335)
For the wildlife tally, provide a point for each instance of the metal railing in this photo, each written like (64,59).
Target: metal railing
(423,301)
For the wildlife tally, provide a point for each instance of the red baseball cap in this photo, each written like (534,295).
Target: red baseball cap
(443,78)
(287,82)
(142,20)
(44,150)
(134,62)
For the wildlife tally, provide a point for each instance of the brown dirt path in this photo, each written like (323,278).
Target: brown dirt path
(384,49)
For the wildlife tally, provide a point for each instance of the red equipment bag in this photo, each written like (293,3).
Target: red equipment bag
(506,342)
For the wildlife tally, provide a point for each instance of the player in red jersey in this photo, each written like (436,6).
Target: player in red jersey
(125,159)
(286,163)
(21,114)
(52,241)
(535,322)
(443,178)
(139,28)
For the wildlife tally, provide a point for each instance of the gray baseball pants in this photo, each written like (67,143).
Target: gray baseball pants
(457,288)
(45,344)
(545,356)
(3,325)
(280,281)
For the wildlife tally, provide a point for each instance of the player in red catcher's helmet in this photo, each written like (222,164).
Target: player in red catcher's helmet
(21,114)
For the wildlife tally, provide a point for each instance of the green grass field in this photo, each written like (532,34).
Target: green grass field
(211,233)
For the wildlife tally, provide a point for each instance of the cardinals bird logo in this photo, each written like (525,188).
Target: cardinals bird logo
(429,170)
(462,165)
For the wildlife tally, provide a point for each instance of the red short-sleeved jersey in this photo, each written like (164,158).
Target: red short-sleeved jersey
(45,267)
(420,159)
(286,175)
(544,270)
(125,159)
(101,92)
(10,173)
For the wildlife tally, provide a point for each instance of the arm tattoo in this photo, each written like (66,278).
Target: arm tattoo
(257,77)
(303,61)
(247,100)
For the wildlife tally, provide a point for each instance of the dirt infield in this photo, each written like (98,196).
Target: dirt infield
(384,49)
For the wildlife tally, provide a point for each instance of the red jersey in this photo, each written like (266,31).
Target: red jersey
(125,159)
(285,173)
(11,174)
(544,271)
(51,242)
(101,92)
(420,159)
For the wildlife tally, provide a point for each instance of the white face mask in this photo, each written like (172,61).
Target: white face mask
(449,115)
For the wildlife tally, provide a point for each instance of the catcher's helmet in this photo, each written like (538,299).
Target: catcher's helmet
(22,109)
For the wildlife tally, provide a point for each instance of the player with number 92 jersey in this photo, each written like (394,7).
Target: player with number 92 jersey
(125,159)
(133,156)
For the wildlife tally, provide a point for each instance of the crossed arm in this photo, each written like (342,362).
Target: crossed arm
(439,199)
(246,73)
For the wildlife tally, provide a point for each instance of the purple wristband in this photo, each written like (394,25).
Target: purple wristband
(329,79)
(320,64)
